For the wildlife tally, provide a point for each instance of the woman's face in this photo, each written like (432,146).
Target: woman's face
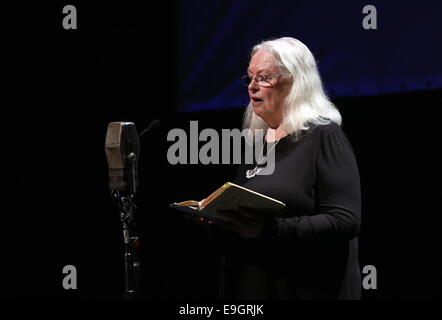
(267,100)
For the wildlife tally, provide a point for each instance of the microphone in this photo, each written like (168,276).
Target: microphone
(122,149)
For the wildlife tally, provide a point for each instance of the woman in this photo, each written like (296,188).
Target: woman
(310,250)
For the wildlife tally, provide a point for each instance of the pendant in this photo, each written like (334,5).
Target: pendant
(251,173)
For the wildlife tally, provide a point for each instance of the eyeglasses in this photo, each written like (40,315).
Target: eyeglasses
(262,81)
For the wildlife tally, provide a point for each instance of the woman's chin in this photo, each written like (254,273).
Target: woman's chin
(258,110)
(259,113)
(264,117)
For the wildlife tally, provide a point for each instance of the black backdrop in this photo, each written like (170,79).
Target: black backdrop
(64,87)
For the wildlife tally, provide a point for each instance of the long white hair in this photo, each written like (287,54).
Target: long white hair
(306,103)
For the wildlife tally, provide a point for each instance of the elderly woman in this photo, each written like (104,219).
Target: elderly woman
(310,250)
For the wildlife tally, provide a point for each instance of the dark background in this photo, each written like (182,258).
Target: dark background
(65,86)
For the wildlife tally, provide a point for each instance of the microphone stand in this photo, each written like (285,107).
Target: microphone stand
(131,241)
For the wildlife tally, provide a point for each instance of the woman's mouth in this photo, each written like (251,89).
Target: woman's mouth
(256,100)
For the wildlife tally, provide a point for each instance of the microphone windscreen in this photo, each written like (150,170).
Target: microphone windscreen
(121,141)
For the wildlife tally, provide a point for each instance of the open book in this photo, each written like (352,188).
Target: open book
(229,196)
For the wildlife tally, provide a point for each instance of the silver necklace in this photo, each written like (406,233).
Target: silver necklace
(253,172)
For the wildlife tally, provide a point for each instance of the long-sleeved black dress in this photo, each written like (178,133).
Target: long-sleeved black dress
(309,251)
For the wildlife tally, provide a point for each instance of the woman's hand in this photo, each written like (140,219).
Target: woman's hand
(198,220)
(246,222)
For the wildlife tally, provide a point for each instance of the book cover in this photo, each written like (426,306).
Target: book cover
(229,196)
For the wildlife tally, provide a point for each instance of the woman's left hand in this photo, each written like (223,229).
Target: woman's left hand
(246,222)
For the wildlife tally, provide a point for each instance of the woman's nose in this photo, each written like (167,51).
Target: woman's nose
(253,85)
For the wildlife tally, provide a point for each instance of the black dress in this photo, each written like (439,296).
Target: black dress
(310,251)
